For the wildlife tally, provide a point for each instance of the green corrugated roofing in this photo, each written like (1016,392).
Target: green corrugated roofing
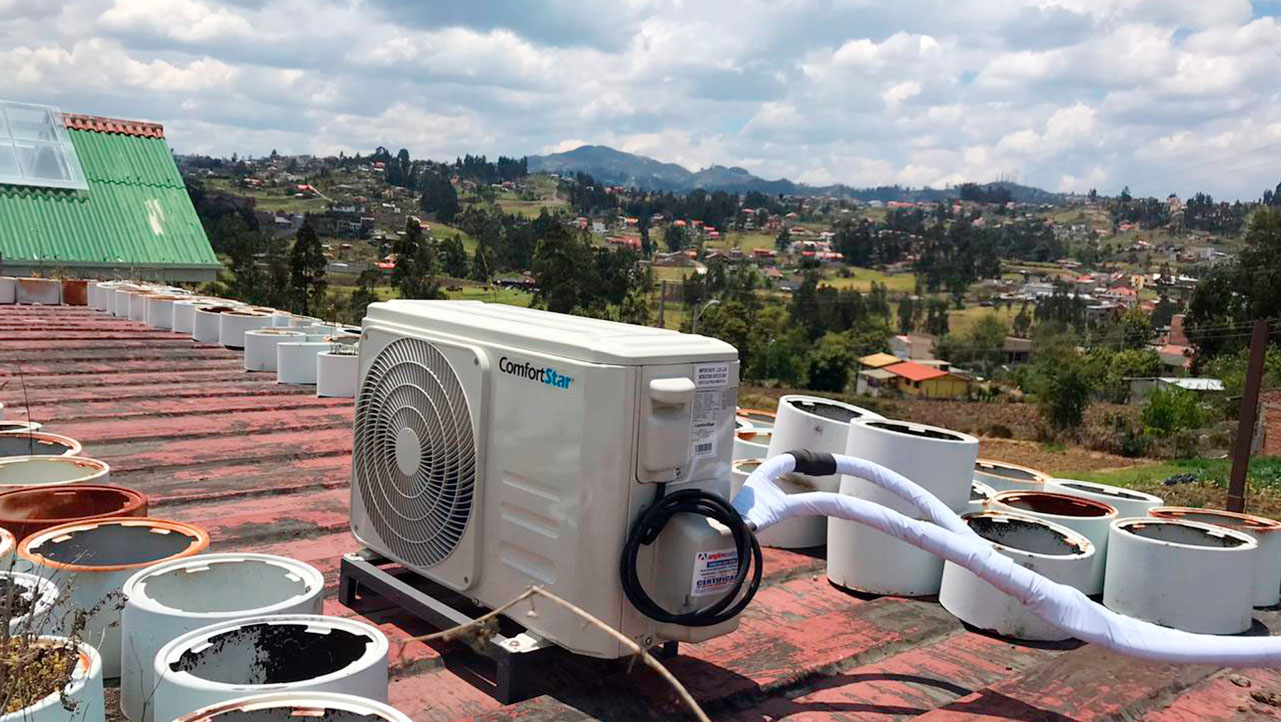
(136,211)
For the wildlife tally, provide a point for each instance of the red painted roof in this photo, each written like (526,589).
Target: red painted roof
(265,468)
(915,372)
(113,125)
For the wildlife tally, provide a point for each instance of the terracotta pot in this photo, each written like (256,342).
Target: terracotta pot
(27,511)
(90,561)
(75,292)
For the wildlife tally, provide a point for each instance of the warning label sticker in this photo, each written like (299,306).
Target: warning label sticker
(714,572)
(706,418)
(711,376)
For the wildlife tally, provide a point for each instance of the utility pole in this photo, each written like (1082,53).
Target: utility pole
(662,304)
(1249,412)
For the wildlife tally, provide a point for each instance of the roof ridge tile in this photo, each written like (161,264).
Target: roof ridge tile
(99,124)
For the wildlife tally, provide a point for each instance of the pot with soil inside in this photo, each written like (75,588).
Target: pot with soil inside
(50,679)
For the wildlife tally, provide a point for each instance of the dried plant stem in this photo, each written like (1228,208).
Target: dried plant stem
(638,650)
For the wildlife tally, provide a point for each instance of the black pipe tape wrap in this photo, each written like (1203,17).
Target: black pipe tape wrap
(814,463)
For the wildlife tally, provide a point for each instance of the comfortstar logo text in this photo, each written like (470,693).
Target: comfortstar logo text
(526,370)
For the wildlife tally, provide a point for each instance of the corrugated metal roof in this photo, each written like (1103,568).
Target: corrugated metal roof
(879,374)
(915,371)
(136,211)
(878,360)
(1194,384)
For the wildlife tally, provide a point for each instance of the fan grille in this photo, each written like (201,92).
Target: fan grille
(414,454)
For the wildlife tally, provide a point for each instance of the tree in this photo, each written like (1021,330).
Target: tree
(1233,295)
(936,322)
(453,257)
(307,271)
(1125,365)
(354,310)
(730,322)
(573,276)
(1065,395)
(830,362)
(675,237)
(987,341)
(868,335)
(1164,312)
(907,315)
(1022,322)
(805,309)
(783,240)
(482,265)
(439,196)
(558,270)
(1172,410)
(416,265)
(1132,329)
(635,308)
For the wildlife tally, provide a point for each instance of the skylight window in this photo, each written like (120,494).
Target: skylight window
(35,148)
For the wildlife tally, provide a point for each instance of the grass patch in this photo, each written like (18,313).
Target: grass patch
(494,294)
(962,321)
(531,209)
(441,231)
(673,274)
(1264,471)
(747,242)
(1204,482)
(861,279)
(271,199)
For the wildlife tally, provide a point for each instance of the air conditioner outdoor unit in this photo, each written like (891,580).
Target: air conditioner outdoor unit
(499,447)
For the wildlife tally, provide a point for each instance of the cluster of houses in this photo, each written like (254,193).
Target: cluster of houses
(1103,293)
(912,370)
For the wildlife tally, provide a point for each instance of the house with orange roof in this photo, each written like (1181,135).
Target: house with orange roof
(929,382)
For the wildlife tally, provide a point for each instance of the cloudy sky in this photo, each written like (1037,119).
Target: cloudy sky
(1162,95)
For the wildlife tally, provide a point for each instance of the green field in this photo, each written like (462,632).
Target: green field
(531,209)
(270,199)
(384,293)
(441,231)
(672,274)
(861,279)
(494,294)
(747,242)
(468,292)
(960,322)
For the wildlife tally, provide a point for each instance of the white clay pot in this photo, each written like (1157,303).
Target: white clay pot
(167,600)
(336,374)
(274,653)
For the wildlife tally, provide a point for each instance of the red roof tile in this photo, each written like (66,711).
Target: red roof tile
(915,372)
(113,125)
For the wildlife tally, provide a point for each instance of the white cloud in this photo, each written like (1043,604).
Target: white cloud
(184,20)
(1061,93)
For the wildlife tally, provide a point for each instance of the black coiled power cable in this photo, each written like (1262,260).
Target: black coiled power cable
(646,530)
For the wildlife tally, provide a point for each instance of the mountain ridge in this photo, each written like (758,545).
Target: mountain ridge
(616,167)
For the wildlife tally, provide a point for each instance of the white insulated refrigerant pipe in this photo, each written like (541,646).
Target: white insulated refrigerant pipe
(763,504)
